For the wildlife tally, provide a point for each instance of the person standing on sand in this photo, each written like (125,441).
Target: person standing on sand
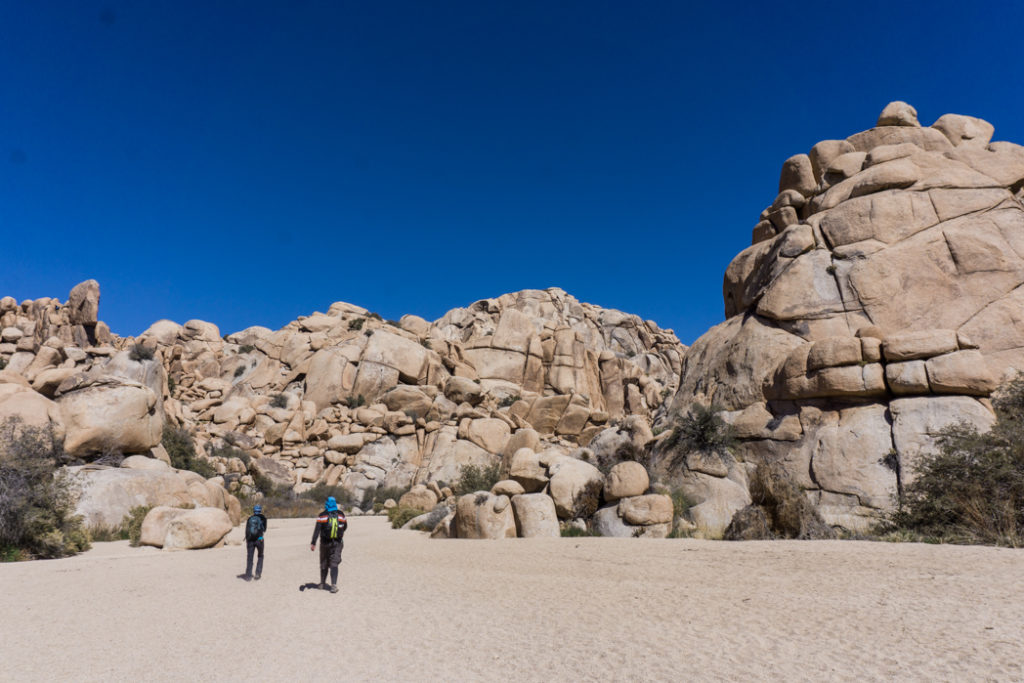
(255,528)
(330,528)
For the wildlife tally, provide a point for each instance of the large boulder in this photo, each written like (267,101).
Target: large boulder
(107,494)
(109,413)
(84,303)
(535,515)
(575,487)
(626,479)
(30,409)
(199,528)
(483,515)
(419,497)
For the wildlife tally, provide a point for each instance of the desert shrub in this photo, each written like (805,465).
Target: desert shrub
(398,516)
(36,506)
(171,385)
(279,401)
(783,511)
(477,478)
(246,348)
(972,489)
(132,524)
(140,353)
(508,401)
(3,363)
(182,451)
(700,429)
(570,531)
(393,323)
(393,492)
(425,343)
(286,503)
(354,402)
(356,324)
(375,316)
(239,371)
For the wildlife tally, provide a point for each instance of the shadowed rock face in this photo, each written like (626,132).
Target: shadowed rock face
(890,265)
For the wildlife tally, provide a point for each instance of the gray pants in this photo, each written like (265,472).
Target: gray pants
(330,558)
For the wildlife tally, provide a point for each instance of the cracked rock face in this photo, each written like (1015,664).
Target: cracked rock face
(890,265)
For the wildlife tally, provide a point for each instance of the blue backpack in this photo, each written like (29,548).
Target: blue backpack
(254,528)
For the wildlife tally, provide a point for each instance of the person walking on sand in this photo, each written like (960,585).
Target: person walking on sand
(330,528)
(255,529)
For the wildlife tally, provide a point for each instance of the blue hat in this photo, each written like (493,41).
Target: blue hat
(331,504)
(257,509)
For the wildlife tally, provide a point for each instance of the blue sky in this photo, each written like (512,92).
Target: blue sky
(249,162)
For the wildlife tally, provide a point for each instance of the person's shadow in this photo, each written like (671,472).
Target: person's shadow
(310,586)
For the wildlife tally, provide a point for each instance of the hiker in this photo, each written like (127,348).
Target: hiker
(255,528)
(330,527)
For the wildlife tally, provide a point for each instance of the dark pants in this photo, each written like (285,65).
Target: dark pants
(250,547)
(330,558)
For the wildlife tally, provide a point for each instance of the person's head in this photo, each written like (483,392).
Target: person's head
(331,505)
(257,509)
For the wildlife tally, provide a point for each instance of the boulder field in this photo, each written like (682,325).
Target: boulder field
(879,301)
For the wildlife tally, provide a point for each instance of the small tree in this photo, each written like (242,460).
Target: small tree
(701,430)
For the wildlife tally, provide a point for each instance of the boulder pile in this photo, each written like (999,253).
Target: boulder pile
(877,304)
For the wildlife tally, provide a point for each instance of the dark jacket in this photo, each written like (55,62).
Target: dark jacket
(320,529)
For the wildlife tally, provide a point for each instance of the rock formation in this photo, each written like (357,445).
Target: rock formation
(880,301)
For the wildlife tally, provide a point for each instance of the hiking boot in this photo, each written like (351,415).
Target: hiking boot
(334,589)
(257,577)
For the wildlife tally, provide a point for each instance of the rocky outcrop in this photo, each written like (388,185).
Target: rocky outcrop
(882,283)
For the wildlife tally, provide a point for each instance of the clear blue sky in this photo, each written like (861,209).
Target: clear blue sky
(249,162)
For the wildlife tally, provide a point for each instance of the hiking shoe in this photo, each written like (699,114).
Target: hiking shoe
(323,586)
(334,589)
(257,577)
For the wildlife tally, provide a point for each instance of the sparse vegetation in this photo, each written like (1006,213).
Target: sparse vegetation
(231,452)
(171,385)
(972,489)
(570,531)
(393,323)
(779,510)
(246,348)
(140,353)
(831,270)
(699,430)
(356,324)
(37,517)
(182,451)
(375,316)
(398,516)
(354,402)
(239,371)
(477,478)
(288,504)
(425,343)
(3,363)
(393,492)
(279,400)
(508,401)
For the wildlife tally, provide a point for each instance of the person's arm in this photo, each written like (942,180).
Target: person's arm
(265,526)
(316,534)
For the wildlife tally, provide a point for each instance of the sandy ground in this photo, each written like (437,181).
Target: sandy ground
(565,609)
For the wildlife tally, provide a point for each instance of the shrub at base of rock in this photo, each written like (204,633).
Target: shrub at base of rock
(785,510)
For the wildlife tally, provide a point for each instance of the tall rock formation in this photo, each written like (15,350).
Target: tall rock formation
(881,299)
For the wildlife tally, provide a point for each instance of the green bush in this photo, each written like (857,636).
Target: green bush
(570,531)
(36,507)
(140,353)
(699,430)
(477,478)
(132,524)
(246,348)
(279,401)
(239,371)
(398,516)
(972,489)
(356,324)
(354,402)
(182,451)
(231,452)
(288,504)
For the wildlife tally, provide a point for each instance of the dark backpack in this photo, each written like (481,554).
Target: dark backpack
(332,527)
(253,528)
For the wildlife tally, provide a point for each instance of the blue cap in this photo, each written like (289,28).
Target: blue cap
(257,509)
(331,504)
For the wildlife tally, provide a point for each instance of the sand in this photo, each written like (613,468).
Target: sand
(413,609)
